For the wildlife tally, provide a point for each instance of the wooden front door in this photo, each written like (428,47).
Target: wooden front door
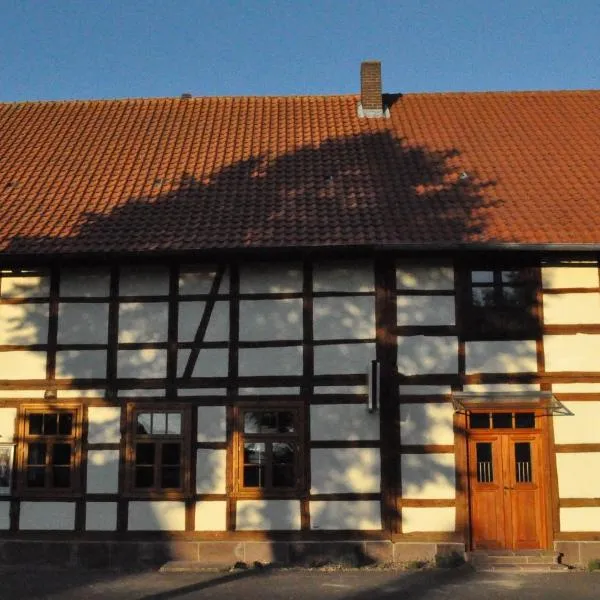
(506,485)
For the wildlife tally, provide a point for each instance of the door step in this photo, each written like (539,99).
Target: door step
(518,560)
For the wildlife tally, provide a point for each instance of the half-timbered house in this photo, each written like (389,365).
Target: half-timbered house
(239,329)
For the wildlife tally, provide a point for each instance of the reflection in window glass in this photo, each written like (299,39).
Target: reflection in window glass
(254,465)
(483,296)
(174,424)
(159,423)
(482,276)
(283,465)
(144,423)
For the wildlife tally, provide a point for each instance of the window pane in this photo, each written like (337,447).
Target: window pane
(268,422)
(483,296)
(502,420)
(514,296)
(286,422)
(170,477)
(480,421)
(65,423)
(254,459)
(254,476)
(61,454)
(171,454)
(283,465)
(251,422)
(144,477)
(525,420)
(485,464)
(159,423)
(144,423)
(36,454)
(144,454)
(174,424)
(50,424)
(36,477)
(61,477)
(514,277)
(523,466)
(254,453)
(36,423)
(482,276)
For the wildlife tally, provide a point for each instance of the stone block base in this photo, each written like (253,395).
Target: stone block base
(577,553)
(225,554)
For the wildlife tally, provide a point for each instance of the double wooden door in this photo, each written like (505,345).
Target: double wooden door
(506,481)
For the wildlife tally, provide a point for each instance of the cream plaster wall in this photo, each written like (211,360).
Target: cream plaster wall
(501,387)
(425,310)
(267,515)
(424,390)
(4,516)
(211,362)
(81,393)
(86,283)
(580,519)
(142,364)
(268,391)
(104,425)
(345,514)
(24,286)
(576,388)
(270,361)
(428,476)
(268,320)
(156,516)
(515,356)
(345,470)
(211,475)
(143,281)
(581,426)
(438,519)
(270,278)
(427,423)
(101,516)
(342,359)
(141,393)
(102,471)
(212,424)
(190,316)
(570,277)
(81,364)
(142,322)
(23,364)
(343,422)
(577,475)
(82,323)
(427,355)
(47,516)
(341,389)
(577,352)
(199,279)
(211,515)
(569,309)
(349,317)
(410,277)
(8,420)
(344,276)
(23,324)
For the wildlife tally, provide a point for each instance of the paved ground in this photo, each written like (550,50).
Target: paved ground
(460,584)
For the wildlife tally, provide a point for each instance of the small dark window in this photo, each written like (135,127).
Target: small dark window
(480,420)
(50,451)
(525,420)
(501,420)
(523,463)
(157,442)
(485,463)
(270,450)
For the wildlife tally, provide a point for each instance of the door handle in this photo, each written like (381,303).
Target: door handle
(506,488)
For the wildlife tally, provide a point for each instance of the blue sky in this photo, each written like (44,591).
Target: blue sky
(57,49)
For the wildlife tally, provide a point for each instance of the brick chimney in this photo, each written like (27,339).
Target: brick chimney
(371,103)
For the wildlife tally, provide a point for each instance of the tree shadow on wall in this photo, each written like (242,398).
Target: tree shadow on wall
(368,190)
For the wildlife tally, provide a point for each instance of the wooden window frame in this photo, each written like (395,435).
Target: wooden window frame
(132,437)
(501,320)
(25,438)
(239,438)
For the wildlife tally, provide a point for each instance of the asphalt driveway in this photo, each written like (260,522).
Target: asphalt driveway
(262,584)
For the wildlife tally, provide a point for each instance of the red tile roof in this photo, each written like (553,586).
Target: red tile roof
(216,173)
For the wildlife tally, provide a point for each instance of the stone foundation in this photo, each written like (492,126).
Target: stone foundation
(578,553)
(99,554)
